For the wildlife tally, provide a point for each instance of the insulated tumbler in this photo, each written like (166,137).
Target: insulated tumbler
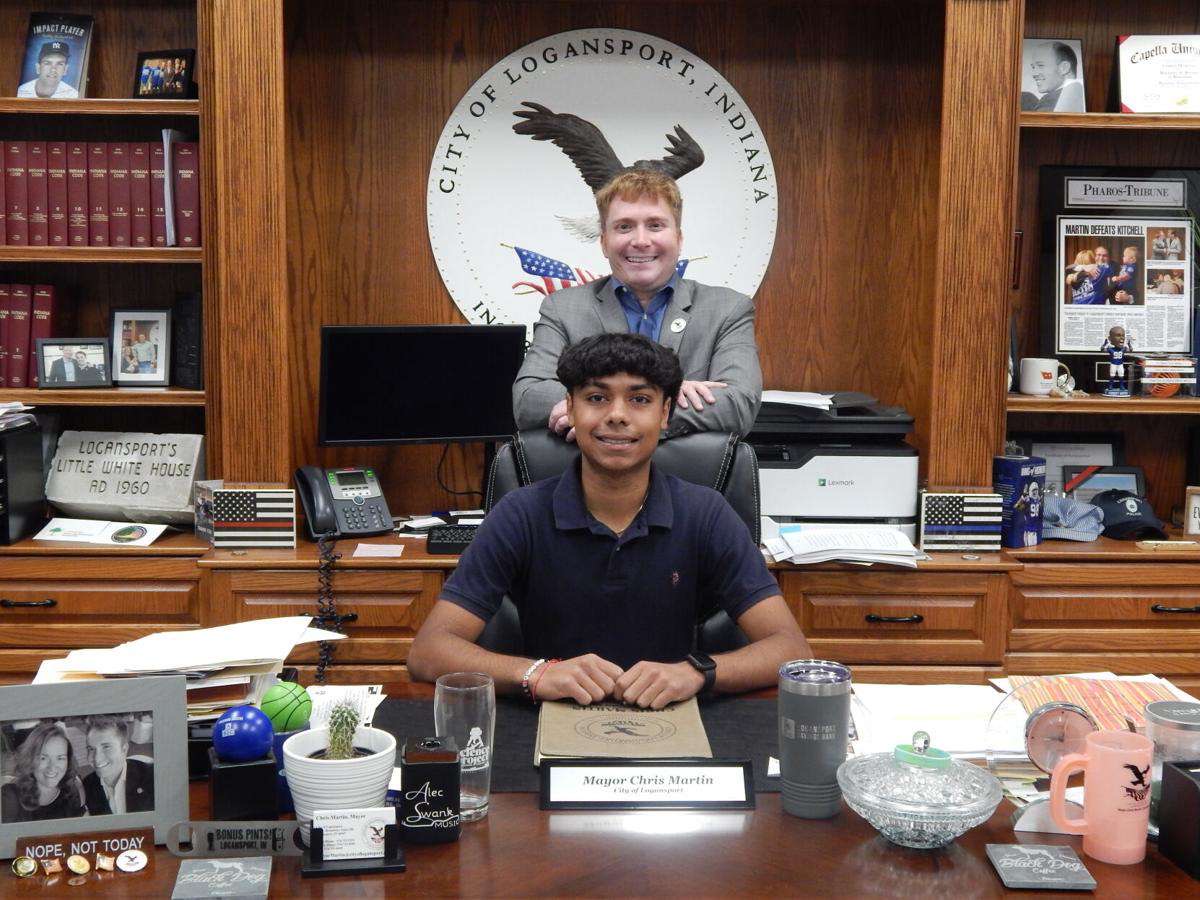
(814,725)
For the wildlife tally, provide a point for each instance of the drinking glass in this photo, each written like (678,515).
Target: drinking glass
(464,708)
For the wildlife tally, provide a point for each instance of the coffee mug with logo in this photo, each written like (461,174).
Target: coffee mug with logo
(1038,375)
(1116,795)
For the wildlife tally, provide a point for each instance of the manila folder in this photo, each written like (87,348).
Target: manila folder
(568,730)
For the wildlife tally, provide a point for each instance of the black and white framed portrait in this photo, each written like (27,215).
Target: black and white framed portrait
(1052,75)
(90,756)
(141,347)
(72,363)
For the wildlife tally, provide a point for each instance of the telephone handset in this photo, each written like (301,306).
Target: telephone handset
(341,502)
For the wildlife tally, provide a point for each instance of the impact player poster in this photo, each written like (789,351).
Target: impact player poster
(56,57)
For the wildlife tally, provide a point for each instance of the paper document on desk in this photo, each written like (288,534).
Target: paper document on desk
(364,697)
(867,543)
(955,715)
(567,730)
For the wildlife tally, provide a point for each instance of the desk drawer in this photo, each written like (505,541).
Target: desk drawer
(132,599)
(388,607)
(1133,608)
(907,618)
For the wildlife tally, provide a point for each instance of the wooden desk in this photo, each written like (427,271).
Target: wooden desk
(518,850)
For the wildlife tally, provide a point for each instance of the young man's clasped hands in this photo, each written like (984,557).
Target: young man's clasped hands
(589,679)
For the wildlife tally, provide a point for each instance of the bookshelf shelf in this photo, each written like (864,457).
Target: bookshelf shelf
(1097,405)
(1146,122)
(103,397)
(101,254)
(100,107)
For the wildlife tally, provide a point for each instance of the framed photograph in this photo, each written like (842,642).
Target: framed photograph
(141,347)
(164,74)
(1085,482)
(1061,449)
(1052,75)
(92,755)
(1118,249)
(1191,523)
(55,64)
(72,363)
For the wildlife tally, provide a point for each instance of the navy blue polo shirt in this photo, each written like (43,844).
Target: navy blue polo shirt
(581,589)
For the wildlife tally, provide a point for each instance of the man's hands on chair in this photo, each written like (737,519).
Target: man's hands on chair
(590,678)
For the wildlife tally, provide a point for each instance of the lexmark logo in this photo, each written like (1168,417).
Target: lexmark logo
(835,482)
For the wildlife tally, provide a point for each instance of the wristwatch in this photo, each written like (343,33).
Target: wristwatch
(704,664)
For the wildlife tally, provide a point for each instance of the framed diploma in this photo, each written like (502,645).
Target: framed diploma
(1159,73)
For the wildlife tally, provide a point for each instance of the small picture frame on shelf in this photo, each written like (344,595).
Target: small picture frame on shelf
(1191,522)
(1052,75)
(1085,482)
(164,75)
(141,347)
(55,63)
(72,363)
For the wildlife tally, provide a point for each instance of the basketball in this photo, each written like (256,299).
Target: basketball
(287,705)
(242,734)
(1168,389)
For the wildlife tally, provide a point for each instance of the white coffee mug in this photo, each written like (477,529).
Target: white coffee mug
(1038,375)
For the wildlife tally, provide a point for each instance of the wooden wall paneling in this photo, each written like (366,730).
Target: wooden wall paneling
(244,240)
(123,28)
(847,95)
(974,223)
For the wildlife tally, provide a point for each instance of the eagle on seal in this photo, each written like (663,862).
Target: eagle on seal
(597,162)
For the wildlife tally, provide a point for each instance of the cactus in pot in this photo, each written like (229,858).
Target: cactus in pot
(343,722)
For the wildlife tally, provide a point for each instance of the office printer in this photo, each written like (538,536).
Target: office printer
(847,464)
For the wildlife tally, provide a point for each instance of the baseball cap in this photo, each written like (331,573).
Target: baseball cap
(1128,517)
(50,47)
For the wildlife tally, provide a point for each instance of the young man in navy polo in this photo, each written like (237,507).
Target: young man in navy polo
(611,563)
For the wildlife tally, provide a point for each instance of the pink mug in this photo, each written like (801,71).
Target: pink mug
(1116,797)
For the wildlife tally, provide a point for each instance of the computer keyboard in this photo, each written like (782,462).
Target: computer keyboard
(450,538)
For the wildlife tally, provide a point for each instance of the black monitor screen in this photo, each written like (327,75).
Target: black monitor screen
(418,384)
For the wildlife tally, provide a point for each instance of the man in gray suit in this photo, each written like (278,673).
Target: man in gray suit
(710,328)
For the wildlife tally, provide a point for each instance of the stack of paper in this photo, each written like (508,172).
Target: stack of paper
(866,544)
(799,398)
(14,413)
(225,666)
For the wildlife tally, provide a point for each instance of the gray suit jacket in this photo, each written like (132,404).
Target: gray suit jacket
(716,344)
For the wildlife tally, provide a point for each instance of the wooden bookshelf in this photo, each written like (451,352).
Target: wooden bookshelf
(100,396)
(101,254)
(1156,122)
(100,107)
(1095,404)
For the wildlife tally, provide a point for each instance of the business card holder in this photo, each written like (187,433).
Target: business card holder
(314,865)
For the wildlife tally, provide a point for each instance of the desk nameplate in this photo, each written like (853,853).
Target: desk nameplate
(647,784)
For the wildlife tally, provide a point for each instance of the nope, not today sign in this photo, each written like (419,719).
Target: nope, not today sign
(130,476)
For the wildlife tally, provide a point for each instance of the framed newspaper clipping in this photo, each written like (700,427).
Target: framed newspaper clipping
(1118,248)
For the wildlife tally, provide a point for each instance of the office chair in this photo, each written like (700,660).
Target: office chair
(713,459)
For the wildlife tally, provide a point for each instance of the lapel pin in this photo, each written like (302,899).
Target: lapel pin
(678,325)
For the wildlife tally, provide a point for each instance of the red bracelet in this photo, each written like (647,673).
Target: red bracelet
(537,677)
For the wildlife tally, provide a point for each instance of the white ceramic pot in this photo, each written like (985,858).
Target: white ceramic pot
(337,783)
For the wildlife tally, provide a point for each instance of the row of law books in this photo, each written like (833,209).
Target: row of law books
(27,312)
(101,194)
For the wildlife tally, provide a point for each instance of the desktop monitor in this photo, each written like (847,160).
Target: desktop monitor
(417,384)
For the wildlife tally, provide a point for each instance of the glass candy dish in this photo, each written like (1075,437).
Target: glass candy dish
(917,796)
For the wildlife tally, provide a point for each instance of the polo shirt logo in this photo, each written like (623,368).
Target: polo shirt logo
(674,579)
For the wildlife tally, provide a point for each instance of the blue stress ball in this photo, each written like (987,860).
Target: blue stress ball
(242,734)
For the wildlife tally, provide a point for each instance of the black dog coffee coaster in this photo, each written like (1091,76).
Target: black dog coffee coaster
(1040,866)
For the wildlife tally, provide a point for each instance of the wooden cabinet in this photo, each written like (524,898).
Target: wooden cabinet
(387,608)
(906,619)
(49,605)
(1123,617)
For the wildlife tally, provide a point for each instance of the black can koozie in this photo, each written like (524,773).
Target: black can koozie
(429,799)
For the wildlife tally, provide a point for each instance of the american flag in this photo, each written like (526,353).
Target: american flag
(557,275)
(544,266)
(960,521)
(256,517)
